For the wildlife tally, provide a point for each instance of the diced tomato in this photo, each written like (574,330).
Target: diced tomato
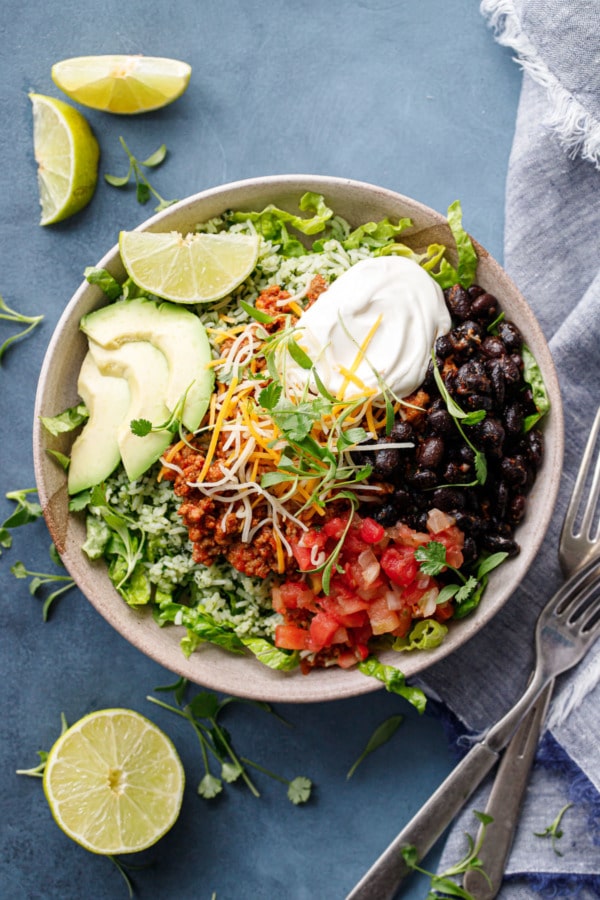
(399,564)
(291,637)
(371,531)
(405,619)
(295,594)
(383,619)
(444,611)
(334,528)
(322,629)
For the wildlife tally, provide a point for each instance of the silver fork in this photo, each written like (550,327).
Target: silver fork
(566,629)
(579,541)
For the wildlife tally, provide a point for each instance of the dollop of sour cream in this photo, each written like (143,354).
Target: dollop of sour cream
(383,315)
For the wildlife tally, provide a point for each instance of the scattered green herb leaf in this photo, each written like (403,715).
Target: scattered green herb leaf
(41,580)
(443,885)
(11,315)
(554,830)
(26,512)
(382,734)
(203,712)
(143,188)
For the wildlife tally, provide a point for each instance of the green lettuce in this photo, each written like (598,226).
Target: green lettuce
(394,681)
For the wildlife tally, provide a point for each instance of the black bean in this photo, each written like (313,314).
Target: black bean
(402,499)
(534,443)
(500,498)
(469,523)
(448,499)
(475,291)
(443,347)
(510,336)
(439,421)
(470,552)
(457,473)
(485,307)
(493,347)
(471,378)
(516,509)
(422,479)
(402,431)
(458,302)
(466,338)
(496,373)
(513,419)
(490,433)
(496,543)
(478,401)
(386,515)
(386,462)
(430,452)
(514,469)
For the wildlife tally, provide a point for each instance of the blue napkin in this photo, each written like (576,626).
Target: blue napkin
(552,252)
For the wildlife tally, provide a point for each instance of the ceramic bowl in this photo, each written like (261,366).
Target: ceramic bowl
(210,666)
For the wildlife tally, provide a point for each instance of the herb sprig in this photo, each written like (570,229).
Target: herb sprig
(433,561)
(382,734)
(27,511)
(443,885)
(11,315)
(43,579)
(203,712)
(554,830)
(143,188)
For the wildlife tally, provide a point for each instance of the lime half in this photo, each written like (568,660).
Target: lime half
(67,155)
(122,84)
(194,268)
(114,782)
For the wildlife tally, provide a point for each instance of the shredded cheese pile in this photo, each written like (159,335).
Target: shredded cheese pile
(249,442)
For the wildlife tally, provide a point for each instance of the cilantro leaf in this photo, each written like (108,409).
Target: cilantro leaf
(299,790)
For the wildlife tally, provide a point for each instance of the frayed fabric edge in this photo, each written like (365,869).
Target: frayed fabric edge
(577,131)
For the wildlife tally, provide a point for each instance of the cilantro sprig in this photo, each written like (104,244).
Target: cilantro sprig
(554,831)
(39,580)
(26,511)
(203,712)
(432,559)
(443,885)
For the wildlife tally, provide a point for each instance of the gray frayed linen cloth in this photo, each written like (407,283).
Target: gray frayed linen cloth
(552,252)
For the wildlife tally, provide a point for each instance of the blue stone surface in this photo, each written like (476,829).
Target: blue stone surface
(413,95)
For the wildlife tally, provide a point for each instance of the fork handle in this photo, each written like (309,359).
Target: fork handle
(382,880)
(505,801)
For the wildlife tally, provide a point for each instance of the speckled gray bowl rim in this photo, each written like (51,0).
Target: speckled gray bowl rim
(244,676)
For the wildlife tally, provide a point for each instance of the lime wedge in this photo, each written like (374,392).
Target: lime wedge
(195,268)
(114,782)
(67,155)
(122,84)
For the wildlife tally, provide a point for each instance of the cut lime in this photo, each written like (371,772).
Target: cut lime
(122,84)
(67,155)
(195,268)
(114,782)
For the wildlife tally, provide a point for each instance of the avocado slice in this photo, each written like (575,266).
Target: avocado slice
(95,452)
(146,373)
(177,333)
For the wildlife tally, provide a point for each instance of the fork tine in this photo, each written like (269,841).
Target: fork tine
(579,487)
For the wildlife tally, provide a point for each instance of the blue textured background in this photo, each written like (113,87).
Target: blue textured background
(410,94)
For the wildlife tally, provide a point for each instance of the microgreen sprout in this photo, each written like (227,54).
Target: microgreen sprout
(461,418)
(443,885)
(43,579)
(27,511)
(38,771)
(143,188)
(11,315)
(203,712)
(554,830)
